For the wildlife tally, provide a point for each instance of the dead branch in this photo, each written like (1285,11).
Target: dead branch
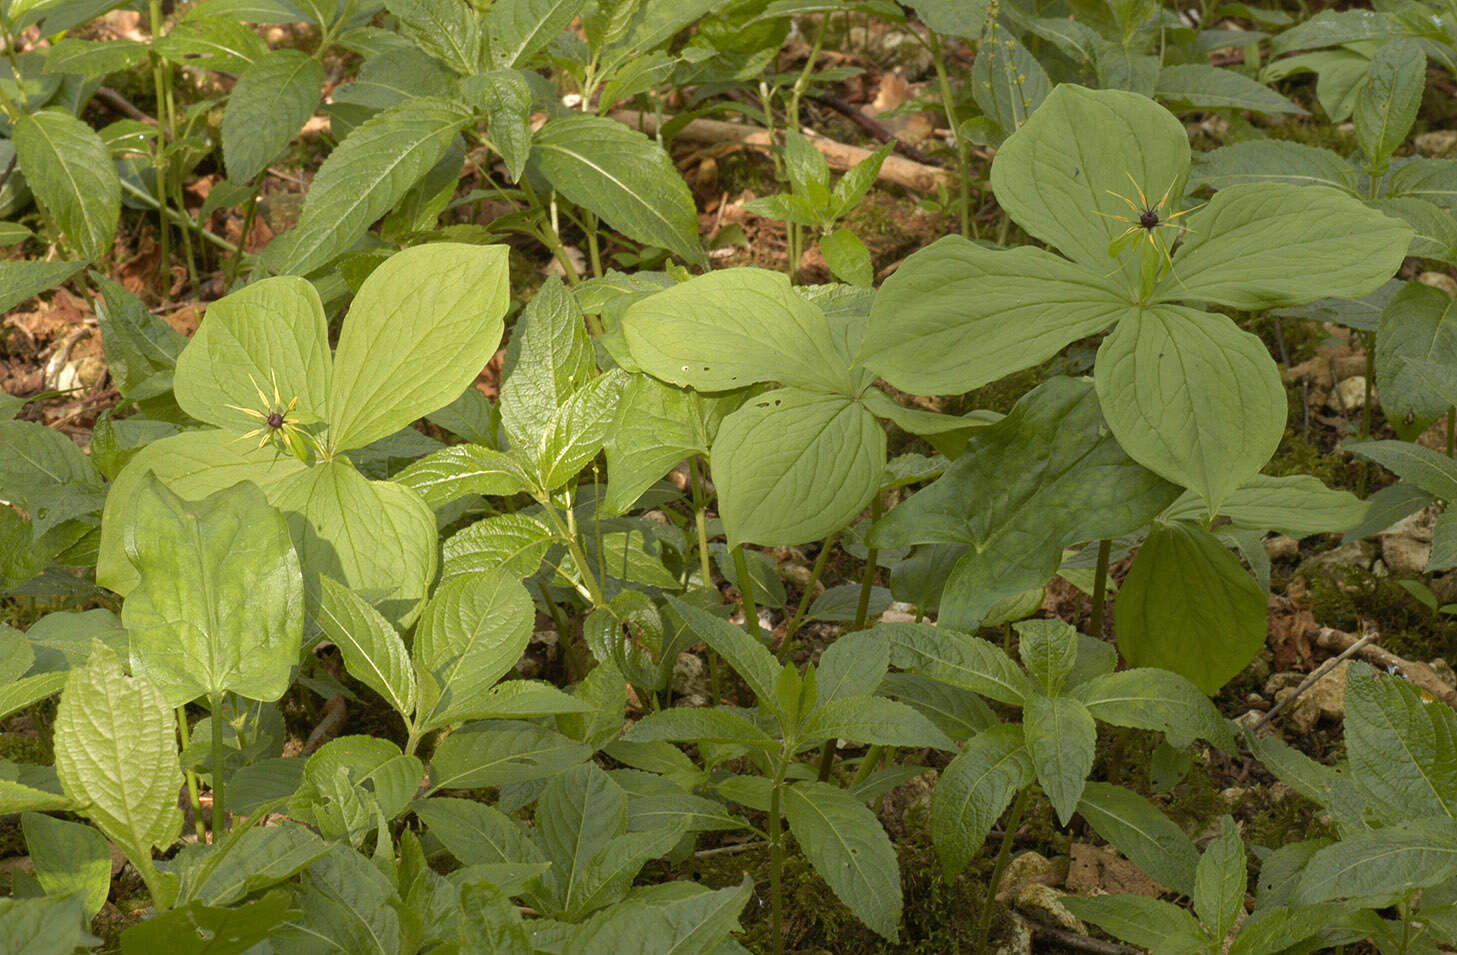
(897,169)
(1082,943)
(1418,673)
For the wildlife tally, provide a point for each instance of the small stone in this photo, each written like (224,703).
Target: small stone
(1094,870)
(1044,903)
(1278,792)
(1326,699)
(1355,554)
(1438,142)
(1348,396)
(1255,701)
(1439,280)
(1249,718)
(1379,569)
(1445,588)
(690,674)
(1026,867)
(1282,547)
(1017,937)
(1234,796)
(1348,366)
(1282,681)
(1406,546)
(899,612)
(1444,672)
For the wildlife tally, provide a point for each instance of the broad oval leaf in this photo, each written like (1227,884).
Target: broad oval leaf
(69,168)
(271,101)
(734,328)
(362,179)
(1192,398)
(219,607)
(1188,606)
(422,327)
(267,337)
(1418,325)
(847,846)
(793,466)
(621,175)
(1296,504)
(973,792)
(1263,245)
(956,315)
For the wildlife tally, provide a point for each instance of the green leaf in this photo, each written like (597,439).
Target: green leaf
(1188,606)
(695,923)
(1046,476)
(1273,160)
(792,466)
(18,797)
(447,29)
(475,833)
(269,104)
(1298,505)
(857,182)
(847,257)
(1387,103)
(464,469)
(1418,325)
(69,168)
(734,328)
(515,543)
(1220,881)
(254,860)
(549,358)
(68,857)
(490,923)
(1136,828)
(376,537)
(20,281)
(210,42)
(471,634)
(363,178)
(137,343)
(1267,244)
(95,58)
(1154,699)
(18,694)
(44,925)
(874,720)
(373,652)
(1332,27)
(518,29)
(699,724)
(1203,86)
(1134,918)
(965,20)
(974,790)
(1412,855)
(578,814)
(956,315)
(45,473)
(657,426)
(1062,173)
(577,429)
(220,604)
(847,846)
(438,307)
(216,931)
(506,97)
(1429,470)
(502,751)
(1444,542)
(1192,398)
(1060,737)
(348,905)
(621,175)
(854,665)
(116,755)
(1049,651)
(747,657)
(1403,752)
(958,659)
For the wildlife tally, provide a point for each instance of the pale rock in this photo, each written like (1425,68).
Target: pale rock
(1348,366)
(1255,701)
(690,675)
(1095,869)
(1249,718)
(1326,699)
(1233,796)
(1438,142)
(1439,280)
(1044,903)
(1278,792)
(1026,867)
(899,612)
(1445,588)
(1355,554)
(1017,937)
(1282,547)
(1406,546)
(1379,569)
(1348,396)
(1282,681)
(1444,672)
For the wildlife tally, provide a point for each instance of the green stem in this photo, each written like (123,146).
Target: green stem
(776,859)
(807,597)
(867,582)
(593,252)
(1369,343)
(156,885)
(190,777)
(801,83)
(1100,587)
(705,566)
(574,547)
(1451,430)
(746,591)
(143,196)
(867,765)
(549,238)
(159,159)
(219,766)
(963,148)
(984,917)
(250,215)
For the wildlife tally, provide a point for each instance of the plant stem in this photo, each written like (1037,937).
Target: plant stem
(807,597)
(776,859)
(984,917)
(867,765)
(705,565)
(159,86)
(963,148)
(589,582)
(1368,340)
(746,591)
(867,582)
(191,778)
(219,808)
(593,252)
(1100,587)
(1451,430)
(549,238)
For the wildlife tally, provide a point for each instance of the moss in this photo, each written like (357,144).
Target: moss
(1343,599)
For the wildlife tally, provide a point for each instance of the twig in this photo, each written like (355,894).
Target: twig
(1082,943)
(1311,680)
(896,169)
(123,105)
(1420,674)
(730,850)
(871,126)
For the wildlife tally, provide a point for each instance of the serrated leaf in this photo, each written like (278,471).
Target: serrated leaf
(373,652)
(515,543)
(219,607)
(1418,325)
(748,658)
(447,29)
(694,923)
(621,175)
(137,344)
(256,859)
(269,104)
(1150,839)
(1429,470)
(116,754)
(847,846)
(502,751)
(69,168)
(1060,737)
(1134,918)
(20,281)
(1271,160)
(1387,103)
(549,358)
(1049,651)
(1411,855)
(362,179)
(1297,504)
(1203,86)
(973,792)
(874,720)
(472,632)
(226,931)
(1154,699)
(1220,881)
(519,29)
(699,724)
(475,833)
(792,466)
(1403,752)
(577,429)
(506,97)
(465,469)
